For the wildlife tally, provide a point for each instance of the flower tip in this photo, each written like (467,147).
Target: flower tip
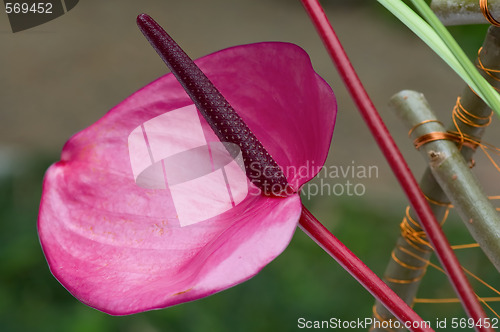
(142,18)
(146,23)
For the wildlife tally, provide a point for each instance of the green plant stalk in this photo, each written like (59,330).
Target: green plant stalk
(490,57)
(492,98)
(439,39)
(457,12)
(425,32)
(453,174)
(473,104)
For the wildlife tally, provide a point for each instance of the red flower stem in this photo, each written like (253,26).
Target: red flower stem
(366,277)
(395,160)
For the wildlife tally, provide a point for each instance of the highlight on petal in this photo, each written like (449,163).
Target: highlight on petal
(195,172)
(141,213)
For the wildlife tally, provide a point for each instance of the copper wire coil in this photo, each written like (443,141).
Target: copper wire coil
(483,4)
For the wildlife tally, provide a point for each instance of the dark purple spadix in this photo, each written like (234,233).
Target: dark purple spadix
(260,167)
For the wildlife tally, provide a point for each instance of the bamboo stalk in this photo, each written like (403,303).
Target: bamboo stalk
(452,173)
(417,255)
(456,12)
(395,159)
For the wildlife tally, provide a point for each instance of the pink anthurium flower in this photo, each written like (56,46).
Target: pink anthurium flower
(126,229)
(187,225)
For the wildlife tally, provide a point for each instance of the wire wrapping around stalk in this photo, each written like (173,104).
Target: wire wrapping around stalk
(311,226)
(395,159)
(483,4)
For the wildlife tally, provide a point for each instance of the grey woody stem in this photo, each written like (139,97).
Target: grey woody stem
(395,159)
(457,12)
(416,254)
(453,174)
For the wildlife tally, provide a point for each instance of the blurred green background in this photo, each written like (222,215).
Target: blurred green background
(60,77)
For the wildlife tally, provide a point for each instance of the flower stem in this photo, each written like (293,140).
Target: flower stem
(395,160)
(366,277)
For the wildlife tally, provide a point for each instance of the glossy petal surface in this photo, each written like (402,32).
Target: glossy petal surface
(120,247)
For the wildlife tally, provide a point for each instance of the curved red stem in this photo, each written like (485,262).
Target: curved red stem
(395,160)
(366,277)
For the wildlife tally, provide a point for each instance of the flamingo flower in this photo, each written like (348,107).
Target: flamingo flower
(173,195)
(150,207)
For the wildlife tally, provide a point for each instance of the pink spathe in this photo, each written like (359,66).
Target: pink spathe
(196,172)
(120,247)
